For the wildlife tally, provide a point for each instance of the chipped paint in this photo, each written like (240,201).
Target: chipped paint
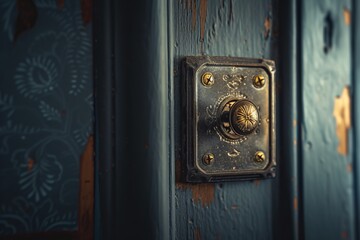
(203,193)
(86,198)
(197,233)
(267,27)
(347,16)
(343,120)
(203,13)
(295,203)
(193,16)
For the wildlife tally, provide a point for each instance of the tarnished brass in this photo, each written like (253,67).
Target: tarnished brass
(259,81)
(208,158)
(259,156)
(229,112)
(207,79)
(244,117)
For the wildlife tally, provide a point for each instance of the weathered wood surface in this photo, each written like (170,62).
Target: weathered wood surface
(239,210)
(327,154)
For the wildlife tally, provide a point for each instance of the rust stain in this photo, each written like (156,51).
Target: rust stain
(295,203)
(26,17)
(197,233)
(203,193)
(267,26)
(86,11)
(203,13)
(86,199)
(347,16)
(30,164)
(193,16)
(295,141)
(349,168)
(60,4)
(342,116)
(294,123)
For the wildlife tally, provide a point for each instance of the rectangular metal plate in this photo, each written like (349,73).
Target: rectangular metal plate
(209,153)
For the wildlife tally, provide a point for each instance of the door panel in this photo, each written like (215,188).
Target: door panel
(223,28)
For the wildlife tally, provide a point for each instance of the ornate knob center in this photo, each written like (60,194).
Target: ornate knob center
(244,117)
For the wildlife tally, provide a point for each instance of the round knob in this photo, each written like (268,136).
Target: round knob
(243,117)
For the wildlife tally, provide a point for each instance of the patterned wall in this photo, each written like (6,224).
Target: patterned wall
(46,107)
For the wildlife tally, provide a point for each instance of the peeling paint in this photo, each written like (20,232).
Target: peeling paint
(203,13)
(347,16)
(203,193)
(197,233)
(267,26)
(343,120)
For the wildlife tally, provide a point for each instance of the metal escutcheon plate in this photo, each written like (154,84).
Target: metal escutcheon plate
(228,119)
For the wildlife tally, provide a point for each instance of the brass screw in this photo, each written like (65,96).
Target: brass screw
(208,158)
(207,79)
(259,156)
(259,81)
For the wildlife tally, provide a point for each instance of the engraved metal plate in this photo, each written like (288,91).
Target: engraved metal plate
(229,119)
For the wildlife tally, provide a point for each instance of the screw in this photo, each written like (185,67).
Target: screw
(259,156)
(207,79)
(208,158)
(259,81)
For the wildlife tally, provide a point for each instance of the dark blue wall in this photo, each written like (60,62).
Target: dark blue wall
(46,107)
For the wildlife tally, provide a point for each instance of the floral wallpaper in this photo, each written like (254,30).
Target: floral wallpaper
(46,113)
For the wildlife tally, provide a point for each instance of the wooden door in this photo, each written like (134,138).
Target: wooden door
(138,49)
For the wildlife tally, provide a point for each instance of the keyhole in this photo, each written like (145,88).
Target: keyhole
(328,33)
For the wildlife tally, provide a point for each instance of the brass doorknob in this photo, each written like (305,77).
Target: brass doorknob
(243,117)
